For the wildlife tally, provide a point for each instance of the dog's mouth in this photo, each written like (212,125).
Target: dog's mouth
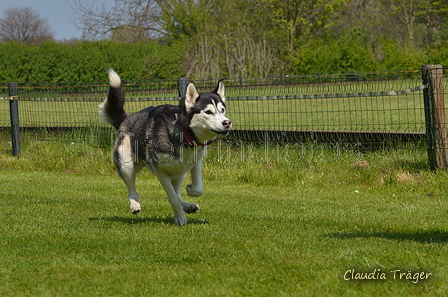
(220,133)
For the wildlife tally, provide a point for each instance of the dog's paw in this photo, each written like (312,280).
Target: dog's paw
(193,192)
(191,208)
(135,207)
(180,219)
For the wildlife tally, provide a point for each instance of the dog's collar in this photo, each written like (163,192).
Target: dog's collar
(188,138)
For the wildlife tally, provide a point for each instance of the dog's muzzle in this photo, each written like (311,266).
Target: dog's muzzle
(227,125)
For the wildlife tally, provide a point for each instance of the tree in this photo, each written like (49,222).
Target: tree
(128,34)
(296,19)
(251,45)
(24,25)
(432,13)
(137,19)
(221,37)
(185,18)
(405,10)
(193,23)
(375,16)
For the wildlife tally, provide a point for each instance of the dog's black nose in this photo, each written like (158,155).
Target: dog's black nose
(226,123)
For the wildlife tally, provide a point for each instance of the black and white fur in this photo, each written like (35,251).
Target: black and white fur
(168,140)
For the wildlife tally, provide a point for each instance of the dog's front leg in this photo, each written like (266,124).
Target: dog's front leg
(195,188)
(177,184)
(173,197)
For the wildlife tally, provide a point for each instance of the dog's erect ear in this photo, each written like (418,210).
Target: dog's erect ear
(191,94)
(220,90)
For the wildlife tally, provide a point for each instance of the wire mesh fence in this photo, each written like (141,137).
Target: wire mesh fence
(377,110)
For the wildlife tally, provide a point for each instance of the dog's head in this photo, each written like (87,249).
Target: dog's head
(206,112)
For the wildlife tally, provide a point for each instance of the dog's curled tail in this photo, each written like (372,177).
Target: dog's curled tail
(111,110)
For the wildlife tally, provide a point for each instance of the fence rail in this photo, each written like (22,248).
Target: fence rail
(367,110)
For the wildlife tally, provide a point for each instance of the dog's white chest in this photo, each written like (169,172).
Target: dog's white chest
(173,166)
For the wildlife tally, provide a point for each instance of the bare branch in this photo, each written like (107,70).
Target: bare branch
(99,20)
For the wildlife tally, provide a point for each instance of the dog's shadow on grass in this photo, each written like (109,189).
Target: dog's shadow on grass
(147,220)
(421,236)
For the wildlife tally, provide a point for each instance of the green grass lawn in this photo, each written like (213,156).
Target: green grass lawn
(265,228)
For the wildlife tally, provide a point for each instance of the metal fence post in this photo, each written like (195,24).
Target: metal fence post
(14,115)
(435,117)
(182,83)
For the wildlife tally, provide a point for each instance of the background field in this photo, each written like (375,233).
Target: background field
(266,228)
(341,106)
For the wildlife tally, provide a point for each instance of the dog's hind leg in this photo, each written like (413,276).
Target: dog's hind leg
(128,167)
(177,184)
(195,188)
(128,174)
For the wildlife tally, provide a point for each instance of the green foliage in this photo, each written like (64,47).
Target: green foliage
(185,19)
(395,56)
(349,52)
(87,61)
(439,54)
(166,61)
(353,51)
(15,60)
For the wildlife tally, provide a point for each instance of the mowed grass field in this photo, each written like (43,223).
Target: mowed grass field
(272,228)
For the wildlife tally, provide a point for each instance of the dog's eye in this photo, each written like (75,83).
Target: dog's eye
(223,110)
(209,112)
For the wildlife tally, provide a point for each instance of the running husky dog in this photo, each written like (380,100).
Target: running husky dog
(169,140)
